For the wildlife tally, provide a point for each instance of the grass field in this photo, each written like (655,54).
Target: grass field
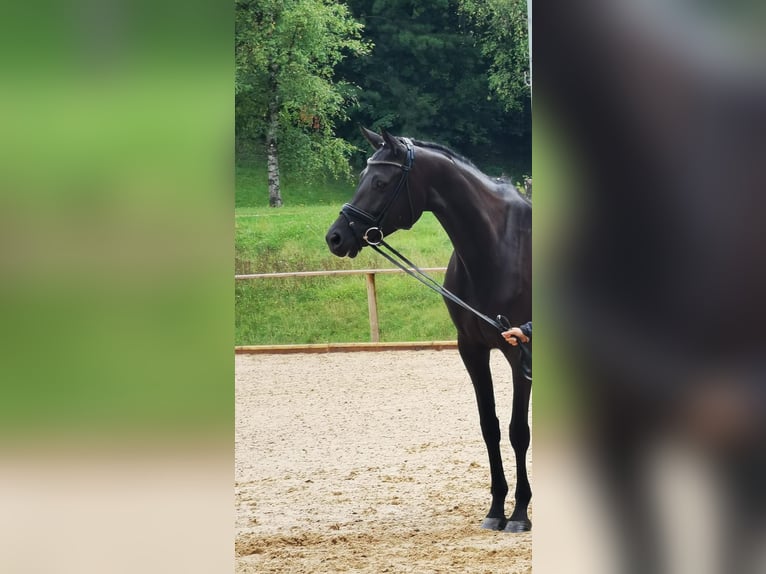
(325,309)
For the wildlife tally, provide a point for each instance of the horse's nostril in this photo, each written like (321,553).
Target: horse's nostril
(335,239)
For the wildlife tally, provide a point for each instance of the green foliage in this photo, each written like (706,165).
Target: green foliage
(427,78)
(449,71)
(285,55)
(501,26)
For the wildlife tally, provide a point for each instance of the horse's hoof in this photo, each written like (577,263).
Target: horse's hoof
(493,523)
(518,526)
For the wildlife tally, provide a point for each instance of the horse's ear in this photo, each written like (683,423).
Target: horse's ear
(391,141)
(375,140)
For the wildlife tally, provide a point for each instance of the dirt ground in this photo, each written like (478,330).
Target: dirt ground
(367,462)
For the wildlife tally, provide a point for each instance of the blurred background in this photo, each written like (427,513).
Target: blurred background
(649,407)
(116,375)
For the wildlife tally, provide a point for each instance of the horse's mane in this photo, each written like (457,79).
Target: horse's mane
(504,184)
(446,151)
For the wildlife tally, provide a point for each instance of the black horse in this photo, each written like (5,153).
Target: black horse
(490,226)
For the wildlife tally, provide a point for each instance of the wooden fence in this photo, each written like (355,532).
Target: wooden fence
(372,308)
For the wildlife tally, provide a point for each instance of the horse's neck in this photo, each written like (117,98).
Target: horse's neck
(473,216)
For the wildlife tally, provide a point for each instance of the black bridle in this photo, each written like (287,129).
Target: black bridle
(373,236)
(374,233)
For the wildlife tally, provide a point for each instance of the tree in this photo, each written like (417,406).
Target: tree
(502,29)
(427,77)
(285,93)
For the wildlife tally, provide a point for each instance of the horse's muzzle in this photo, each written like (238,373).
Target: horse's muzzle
(341,239)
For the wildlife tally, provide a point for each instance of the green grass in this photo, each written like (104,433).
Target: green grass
(251,190)
(326,309)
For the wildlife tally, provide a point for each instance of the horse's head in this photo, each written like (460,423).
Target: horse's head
(383,201)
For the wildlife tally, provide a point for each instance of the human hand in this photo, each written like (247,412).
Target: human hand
(514,335)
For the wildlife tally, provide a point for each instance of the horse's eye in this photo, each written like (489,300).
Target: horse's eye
(379,184)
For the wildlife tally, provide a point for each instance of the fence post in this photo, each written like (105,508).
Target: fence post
(372,307)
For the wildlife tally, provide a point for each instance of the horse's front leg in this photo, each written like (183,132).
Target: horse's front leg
(476,360)
(520,438)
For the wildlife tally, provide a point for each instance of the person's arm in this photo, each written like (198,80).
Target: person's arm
(526,328)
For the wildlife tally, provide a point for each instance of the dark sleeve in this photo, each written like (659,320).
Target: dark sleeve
(526,328)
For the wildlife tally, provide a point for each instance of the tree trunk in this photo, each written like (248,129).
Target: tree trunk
(272,154)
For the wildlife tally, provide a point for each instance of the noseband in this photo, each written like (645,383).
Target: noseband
(374,234)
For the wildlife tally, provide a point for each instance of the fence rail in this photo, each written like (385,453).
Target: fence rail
(331,272)
(369,274)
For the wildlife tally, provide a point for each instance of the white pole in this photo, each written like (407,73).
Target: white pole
(529,35)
